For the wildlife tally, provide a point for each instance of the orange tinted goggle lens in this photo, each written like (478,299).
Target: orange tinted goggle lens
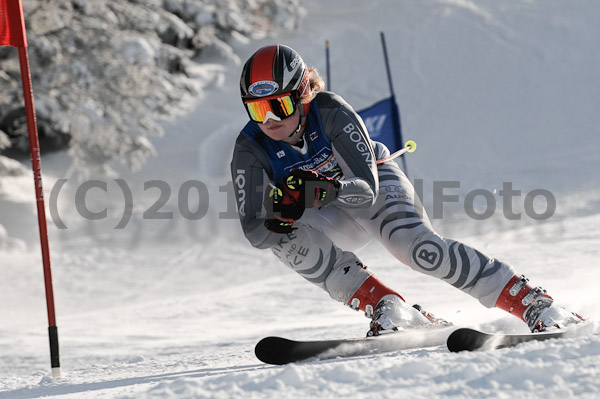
(282,107)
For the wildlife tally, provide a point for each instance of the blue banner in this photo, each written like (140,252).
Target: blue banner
(382,120)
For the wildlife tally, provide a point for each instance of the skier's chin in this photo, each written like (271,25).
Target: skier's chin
(278,133)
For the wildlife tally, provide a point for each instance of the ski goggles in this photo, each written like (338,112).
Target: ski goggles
(274,107)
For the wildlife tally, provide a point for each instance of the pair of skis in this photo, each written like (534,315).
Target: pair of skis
(277,350)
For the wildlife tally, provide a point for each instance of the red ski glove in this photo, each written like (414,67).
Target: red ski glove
(314,188)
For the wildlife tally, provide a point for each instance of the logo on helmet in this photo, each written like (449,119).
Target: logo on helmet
(263,88)
(297,60)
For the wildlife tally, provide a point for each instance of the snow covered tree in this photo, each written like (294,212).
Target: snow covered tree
(106,71)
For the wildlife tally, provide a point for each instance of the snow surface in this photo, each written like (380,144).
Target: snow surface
(492,92)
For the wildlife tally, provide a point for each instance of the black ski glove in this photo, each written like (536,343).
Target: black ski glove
(283,208)
(314,188)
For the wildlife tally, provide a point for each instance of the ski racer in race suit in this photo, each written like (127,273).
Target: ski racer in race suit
(309,188)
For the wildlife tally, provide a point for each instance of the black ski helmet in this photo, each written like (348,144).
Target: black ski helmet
(274,70)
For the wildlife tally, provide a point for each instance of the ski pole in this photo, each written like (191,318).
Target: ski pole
(409,146)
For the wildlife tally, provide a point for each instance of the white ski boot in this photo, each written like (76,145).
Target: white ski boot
(552,318)
(392,314)
(388,310)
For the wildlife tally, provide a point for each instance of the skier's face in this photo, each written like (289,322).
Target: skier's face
(281,130)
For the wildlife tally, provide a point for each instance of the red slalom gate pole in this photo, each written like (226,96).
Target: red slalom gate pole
(36,164)
(12,33)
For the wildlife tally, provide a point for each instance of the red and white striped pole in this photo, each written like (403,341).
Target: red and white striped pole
(12,33)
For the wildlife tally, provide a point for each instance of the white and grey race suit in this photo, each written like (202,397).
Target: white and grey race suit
(374,202)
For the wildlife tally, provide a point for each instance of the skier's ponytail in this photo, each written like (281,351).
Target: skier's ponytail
(316,85)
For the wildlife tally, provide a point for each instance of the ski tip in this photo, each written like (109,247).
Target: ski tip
(464,339)
(270,350)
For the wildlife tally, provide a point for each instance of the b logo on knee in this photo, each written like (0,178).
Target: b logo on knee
(428,255)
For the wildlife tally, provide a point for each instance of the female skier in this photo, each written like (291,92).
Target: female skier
(310,189)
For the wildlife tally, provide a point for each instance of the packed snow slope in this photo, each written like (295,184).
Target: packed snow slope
(492,91)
